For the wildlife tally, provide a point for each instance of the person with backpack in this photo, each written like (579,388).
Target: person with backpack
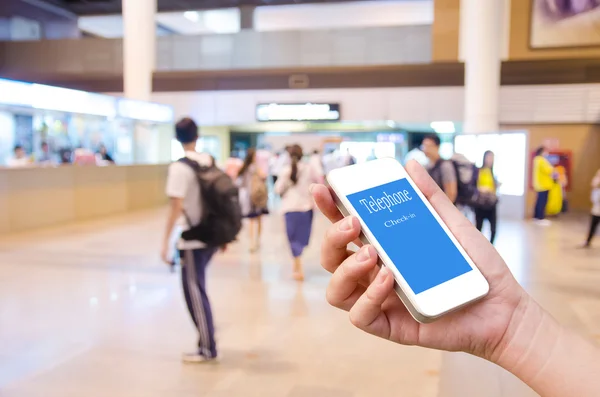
(486,201)
(441,171)
(297,203)
(203,202)
(254,196)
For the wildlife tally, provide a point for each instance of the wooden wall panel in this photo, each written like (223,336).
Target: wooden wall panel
(584,141)
(445,31)
(34,198)
(520,19)
(99,191)
(39,198)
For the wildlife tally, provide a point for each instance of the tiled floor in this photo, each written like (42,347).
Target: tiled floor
(88,310)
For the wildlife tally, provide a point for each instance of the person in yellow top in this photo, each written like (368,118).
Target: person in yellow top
(543,182)
(487,200)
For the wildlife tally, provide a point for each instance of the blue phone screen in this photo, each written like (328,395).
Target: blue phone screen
(410,235)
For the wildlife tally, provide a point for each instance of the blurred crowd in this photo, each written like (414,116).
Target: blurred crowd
(45,157)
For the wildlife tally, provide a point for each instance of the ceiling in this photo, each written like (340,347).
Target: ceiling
(94,7)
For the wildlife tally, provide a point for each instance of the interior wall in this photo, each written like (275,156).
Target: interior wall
(519,38)
(583,140)
(445,30)
(343,15)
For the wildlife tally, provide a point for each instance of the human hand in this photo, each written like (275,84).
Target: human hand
(485,328)
(164,254)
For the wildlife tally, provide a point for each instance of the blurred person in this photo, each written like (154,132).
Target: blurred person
(442,171)
(233,165)
(45,157)
(66,155)
(317,164)
(297,203)
(349,159)
(104,156)
(486,203)
(417,155)
(84,156)
(506,327)
(280,161)
(595,216)
(253,196)
(19,159)
(263,160)
(543,182)
(185,210)
(372,156)
(331,161)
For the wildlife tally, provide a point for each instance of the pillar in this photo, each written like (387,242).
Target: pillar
(139,48)
(481,40)
(247,17)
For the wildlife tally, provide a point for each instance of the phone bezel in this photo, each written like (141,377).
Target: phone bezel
(434,302)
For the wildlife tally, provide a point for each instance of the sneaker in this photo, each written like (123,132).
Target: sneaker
(197,358)
(542,222)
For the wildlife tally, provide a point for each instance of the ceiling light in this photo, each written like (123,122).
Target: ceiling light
(193,16)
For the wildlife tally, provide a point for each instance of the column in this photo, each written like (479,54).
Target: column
(481,34)
(247,17)
(139,48)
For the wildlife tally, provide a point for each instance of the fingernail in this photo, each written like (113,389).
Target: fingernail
(382,275)
(363,255)
(311,187)
(346,224)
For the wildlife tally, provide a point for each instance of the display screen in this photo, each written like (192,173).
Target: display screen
(410,235)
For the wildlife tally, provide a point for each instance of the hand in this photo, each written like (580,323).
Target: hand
(164,254)
(485,328)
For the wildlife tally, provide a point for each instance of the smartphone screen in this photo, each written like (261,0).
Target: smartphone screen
(410,235)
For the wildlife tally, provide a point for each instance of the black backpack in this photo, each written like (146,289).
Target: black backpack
(466,182)
(221,212)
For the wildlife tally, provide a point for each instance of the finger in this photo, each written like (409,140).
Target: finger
(324,199)
(337,238)
(366,313)
(345,285)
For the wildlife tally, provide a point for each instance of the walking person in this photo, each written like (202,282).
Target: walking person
(486,201)
(543,182)
(595,218)
(442,171)
(254,196)
(297,204)
(186,210)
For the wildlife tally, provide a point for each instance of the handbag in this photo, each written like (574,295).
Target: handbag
(485,200)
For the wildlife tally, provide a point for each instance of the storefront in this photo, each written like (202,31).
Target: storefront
(133,132)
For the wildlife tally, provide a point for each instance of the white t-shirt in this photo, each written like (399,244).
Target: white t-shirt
(279,163)
(18,163)
(183,183)
(297,198)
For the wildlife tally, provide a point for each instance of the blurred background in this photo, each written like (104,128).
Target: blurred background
(90,91)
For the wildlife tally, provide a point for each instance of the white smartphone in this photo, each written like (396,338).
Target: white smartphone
(433,273)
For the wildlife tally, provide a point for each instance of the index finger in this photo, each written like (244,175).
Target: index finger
(324,199)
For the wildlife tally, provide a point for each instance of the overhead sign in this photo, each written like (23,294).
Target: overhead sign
(298,112)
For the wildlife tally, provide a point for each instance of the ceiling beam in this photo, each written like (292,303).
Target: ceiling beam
(114,7)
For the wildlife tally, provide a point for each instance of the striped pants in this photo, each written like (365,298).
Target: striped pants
(193,278)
